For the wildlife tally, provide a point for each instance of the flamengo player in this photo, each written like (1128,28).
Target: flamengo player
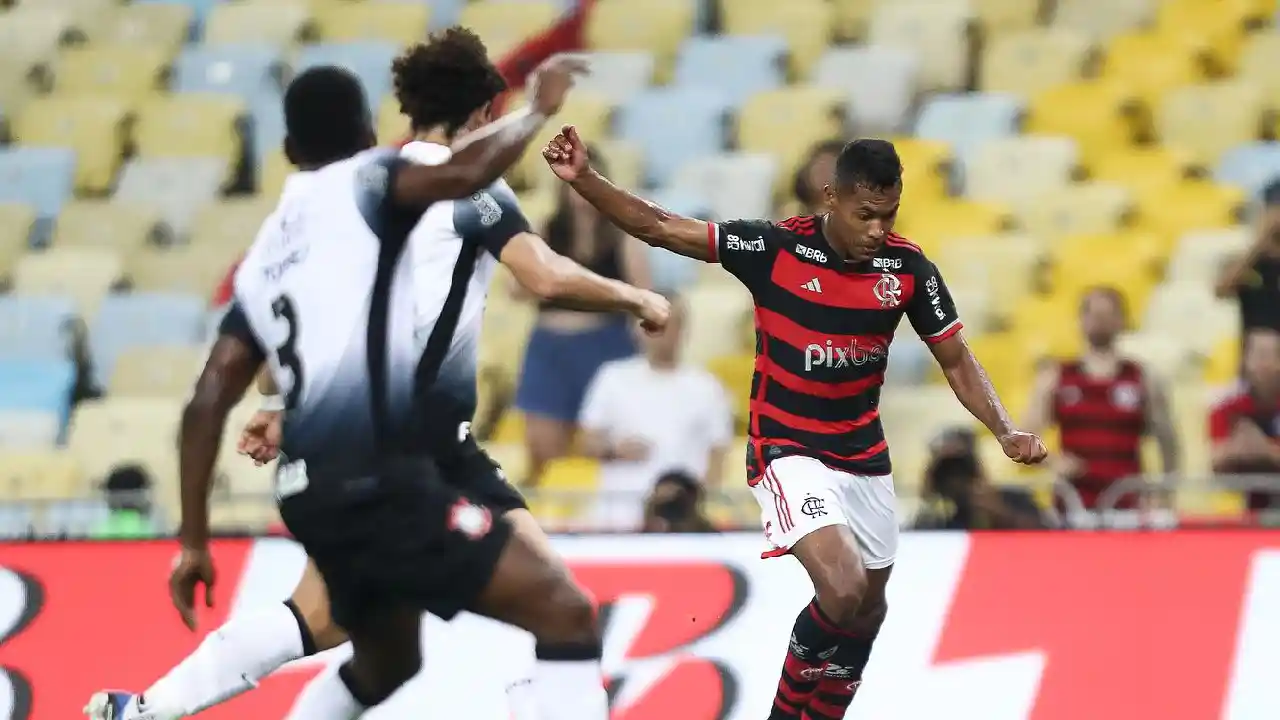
(829,291)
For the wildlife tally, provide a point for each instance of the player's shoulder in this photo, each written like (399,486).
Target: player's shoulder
(909,256)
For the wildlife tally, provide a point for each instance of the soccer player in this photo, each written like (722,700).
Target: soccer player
(829,291)
(1103,404)
(466,550)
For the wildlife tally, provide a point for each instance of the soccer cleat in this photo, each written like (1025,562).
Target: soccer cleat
(118,705)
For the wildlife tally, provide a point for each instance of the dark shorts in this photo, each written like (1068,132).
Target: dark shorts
(404,535)
(558,367)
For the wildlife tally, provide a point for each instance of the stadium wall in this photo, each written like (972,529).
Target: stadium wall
(1047,626)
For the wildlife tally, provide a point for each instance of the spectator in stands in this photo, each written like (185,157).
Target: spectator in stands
(127,491)
(649,415)
(1254,278)
(676,505)
(85,387)
(816,172)
(1244,427)
(958,495)
(567,346)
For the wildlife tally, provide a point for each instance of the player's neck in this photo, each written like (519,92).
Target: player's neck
(1102,361)
(436,136)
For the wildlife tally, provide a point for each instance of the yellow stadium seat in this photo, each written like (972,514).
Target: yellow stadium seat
(851,18)
(656,26)
(1151,64)
(717,314)
(274,170)
(1078,209)
(998,17)
(1166,356)
(40,476)
(788,122)
(93,127)
(106,433)
(403,23)
(1009,363)
(84,274)
(735,372)
(1019,168)
(1142,168)
(930,225)
(591,113)
(234,222)
(504,24)
(195,269)
(1258,62)
(1130,269)
(1103,19)
(127,72)
(566,487)
(1215,28)
(105,225)
(1204,121)
(807,26)
(190,125)
(74,6)
(1190,205)
(926,169)
(1100,116)
(162,25)
(279,22)
(1046,326)
(156,371)
(510,428)
(1007,265)
(31,34)
(939,33)
(539,205)
(391,124)
(16,222)
(1030,61)
(1223,364)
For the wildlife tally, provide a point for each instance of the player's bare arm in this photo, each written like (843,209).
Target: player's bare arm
(974,390)
(1160,423)
(1039,417)
(643,220)
(480,158)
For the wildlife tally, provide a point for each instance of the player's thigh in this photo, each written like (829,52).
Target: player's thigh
(311,598)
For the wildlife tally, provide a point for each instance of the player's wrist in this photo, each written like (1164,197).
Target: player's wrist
(272,403)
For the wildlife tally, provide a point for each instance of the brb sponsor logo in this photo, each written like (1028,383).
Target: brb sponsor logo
(855,354)
(935,301)
(812,254)
(733,242)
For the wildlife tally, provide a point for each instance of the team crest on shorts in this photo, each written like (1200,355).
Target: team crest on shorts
(470,520)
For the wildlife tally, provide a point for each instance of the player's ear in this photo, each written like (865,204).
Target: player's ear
(829,196)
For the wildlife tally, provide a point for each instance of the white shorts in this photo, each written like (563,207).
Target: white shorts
(798,495)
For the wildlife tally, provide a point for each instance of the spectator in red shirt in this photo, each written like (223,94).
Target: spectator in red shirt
(1245,426)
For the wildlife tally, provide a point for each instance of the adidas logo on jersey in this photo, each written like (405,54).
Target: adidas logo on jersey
(813,286)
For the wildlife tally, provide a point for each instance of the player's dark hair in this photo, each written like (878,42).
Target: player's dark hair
(326,117)
(868,163)
(446,79)
(801,189)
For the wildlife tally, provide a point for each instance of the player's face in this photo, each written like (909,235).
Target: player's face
(1101,320)
(861,218)
(1262,358)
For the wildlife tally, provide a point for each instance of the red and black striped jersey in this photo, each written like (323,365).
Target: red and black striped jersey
(823,330)
(1101,421)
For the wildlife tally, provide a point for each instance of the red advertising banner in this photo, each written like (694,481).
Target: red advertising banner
(1174,626)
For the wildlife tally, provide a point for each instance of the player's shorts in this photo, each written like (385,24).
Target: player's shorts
(472,472)
(798,495)
(398,536)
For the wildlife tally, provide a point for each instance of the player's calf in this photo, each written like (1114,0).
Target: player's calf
(842,675)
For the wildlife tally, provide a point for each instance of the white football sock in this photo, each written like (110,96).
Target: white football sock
(326,697)
(230,661)
(523,701)
(570,690)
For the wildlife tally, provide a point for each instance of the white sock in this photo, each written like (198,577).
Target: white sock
(230,661)
(522,700)
(570,690)
(326,697)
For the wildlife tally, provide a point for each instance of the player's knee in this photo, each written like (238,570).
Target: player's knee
(870,617)
(841,597)
(569,617)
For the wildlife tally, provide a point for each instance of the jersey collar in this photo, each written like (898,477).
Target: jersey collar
(296,183)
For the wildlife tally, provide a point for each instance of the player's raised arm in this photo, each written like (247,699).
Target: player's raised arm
(657,226)
(480,158)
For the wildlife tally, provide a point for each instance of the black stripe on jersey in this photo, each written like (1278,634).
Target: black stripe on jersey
(844,445)
(447,323)
(834,321)
(833,410)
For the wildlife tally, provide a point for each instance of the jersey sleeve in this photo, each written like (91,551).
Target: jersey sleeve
(1222,418)
(931,310)
(746,248)
(236,325)
(490,218)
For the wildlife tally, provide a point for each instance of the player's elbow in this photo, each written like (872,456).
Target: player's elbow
(549,280)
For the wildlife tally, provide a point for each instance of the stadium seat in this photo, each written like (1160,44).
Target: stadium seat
(389,123)
(566,487)
(1216,29)
(806,25)
(504,24)
(83,274)
(1200,256)
(656,26)
(625,163)
(174,187)
(930,225)
(1027,62)
(277,22)
(34,327)
(28,430)
(912,419)
(1250,167)
(851,18)
(126,72)
(1222,366)
(268,131)
(1259,58)
(1177,307)
(93,127)
(1204,121)
(737,66)
(190,125)
(1103,19)
(646,121)
(17,221)
(1151,64)
(1131,268)
(370,61)
(1167,357)
(618,75)
(195,269)
(879,83)
(248,71)
(34,475)
(1006,264)
(105,225)
(1013,169)
(717,314)
(966,122)
(273,171)
(200,8)
(1047,326)
(17,522)
(399,23)
(157,25)
(1190,205)
(1099,115)
(150,371)
(114,431)
(40,177)
(788,122)
(37,389)
(938,32)
(926,168)
(143,319)
(30,35)
(1142,168)
(592,114)
(233,222)
(1079,209)
(736,185)
(735,372)
(1000,17)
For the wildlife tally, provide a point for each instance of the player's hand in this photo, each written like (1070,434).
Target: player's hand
(260,438)
(566,154)
(654,311)
(631,450)
(552,81)
(1023,448)
(191,569)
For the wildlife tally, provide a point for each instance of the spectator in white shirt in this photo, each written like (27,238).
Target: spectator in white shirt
(650,415)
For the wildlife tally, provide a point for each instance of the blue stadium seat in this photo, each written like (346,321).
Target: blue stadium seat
(1250,167)
(127,321)
(370,61)
(671,273)
(737,66)
(37,176)
(38,385)
(34,327)
(267,134)
(967,121)
(646,121)
(249,71)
